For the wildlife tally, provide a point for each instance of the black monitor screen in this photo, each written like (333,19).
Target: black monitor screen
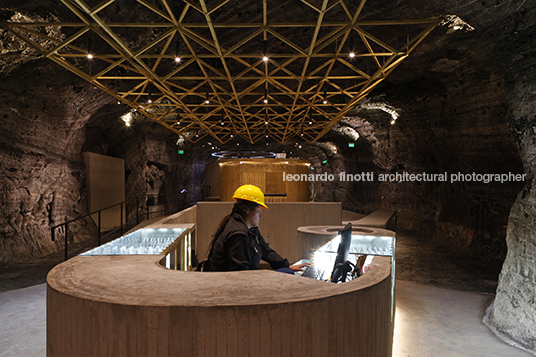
(340,268)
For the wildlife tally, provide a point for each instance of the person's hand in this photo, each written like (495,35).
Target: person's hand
(299,267)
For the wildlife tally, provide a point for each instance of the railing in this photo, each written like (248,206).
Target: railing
(108,233)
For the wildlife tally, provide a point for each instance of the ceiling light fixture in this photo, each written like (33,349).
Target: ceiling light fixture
(177,51)
(265,51)
(325,101)
(89,47)
(207,101)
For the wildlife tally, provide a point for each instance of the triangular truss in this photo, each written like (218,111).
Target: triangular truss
(197,66)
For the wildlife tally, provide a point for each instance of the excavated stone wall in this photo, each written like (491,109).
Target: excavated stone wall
(42,171)
(513,313)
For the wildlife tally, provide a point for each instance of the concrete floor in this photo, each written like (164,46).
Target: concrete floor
(430,321)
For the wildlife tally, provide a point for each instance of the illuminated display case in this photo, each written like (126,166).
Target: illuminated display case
(365,247)
(141,241)
(174,243)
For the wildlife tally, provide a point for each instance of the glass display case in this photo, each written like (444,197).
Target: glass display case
(141,241)
(174,243)
(363,249)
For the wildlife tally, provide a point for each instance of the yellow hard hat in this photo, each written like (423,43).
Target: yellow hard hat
(250,193)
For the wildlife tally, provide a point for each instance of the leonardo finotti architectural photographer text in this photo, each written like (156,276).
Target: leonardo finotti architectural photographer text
(407,177)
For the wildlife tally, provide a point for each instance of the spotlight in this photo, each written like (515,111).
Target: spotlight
(177,51)
(90,47)
(265,51)
(352,55)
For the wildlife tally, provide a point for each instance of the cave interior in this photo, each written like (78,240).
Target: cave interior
(463,102)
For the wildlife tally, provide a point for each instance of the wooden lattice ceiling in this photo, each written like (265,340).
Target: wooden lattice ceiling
(322,58)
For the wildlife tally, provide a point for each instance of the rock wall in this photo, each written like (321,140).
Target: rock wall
(42,171)
(513,313)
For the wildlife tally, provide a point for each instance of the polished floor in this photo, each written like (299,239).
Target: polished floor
(430,321)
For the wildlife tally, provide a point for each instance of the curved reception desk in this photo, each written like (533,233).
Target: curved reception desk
(131,305)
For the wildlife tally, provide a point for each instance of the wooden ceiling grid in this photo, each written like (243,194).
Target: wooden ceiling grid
(222,86)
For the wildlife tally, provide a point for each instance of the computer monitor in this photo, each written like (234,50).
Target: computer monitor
(340,268)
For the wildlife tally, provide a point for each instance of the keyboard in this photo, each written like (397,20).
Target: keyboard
(313,273)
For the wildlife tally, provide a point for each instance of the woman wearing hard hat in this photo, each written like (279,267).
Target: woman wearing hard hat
(238,244)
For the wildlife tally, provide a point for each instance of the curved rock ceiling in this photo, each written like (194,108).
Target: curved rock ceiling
(200,70)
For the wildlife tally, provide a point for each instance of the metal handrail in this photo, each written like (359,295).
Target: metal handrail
(98,240)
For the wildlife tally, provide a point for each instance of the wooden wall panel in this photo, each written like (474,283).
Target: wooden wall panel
(105,181)
(267,174)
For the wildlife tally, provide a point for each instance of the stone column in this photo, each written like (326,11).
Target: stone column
(513,314)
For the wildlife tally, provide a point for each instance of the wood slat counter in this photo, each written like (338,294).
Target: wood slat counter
(132,306)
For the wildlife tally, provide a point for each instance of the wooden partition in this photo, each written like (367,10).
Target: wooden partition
(125,306)
(279,225)
(188,215)
(105,182)
(267,174)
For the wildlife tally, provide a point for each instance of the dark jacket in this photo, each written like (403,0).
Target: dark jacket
(240,248)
